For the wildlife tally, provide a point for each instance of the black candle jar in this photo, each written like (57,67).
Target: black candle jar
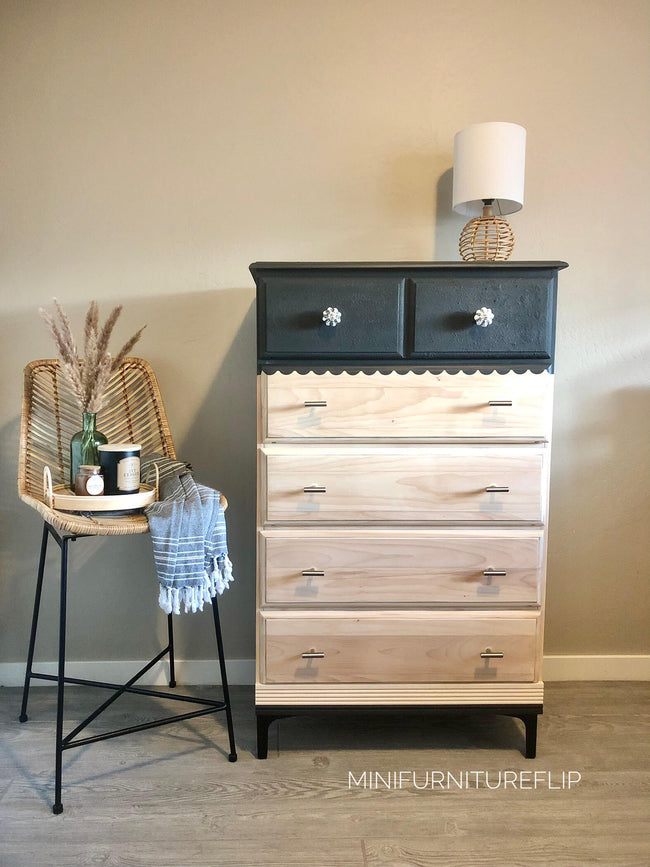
(120,463)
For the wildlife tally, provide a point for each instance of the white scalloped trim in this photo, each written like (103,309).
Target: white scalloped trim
(397,372)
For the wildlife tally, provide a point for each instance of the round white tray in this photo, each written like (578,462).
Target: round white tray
(63,498)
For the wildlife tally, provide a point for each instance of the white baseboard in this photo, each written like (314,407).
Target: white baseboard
(188,671)
(597,667)
(242,671)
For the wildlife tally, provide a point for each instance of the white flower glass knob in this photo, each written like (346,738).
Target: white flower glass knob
(332,316)
(483,317)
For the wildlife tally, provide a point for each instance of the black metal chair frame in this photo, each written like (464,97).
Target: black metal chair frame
(66,742)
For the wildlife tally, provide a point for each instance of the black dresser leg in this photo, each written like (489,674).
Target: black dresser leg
(530,721)
(263,723)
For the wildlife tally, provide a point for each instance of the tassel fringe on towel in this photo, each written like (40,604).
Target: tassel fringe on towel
(170,599)
(188,535)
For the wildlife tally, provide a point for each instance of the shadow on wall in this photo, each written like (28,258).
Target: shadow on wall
(414,207)
(202,348)
(448,224)
(599,560)
(221,445)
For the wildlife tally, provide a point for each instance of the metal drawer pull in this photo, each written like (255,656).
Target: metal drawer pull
(484,317)
(316,573)
(315,489)
(490,573)
(315,403)
(315,654)
(332,316)
(489,654)
(499,403)
(497,489)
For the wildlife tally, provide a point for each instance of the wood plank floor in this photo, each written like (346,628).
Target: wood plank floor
(169,797)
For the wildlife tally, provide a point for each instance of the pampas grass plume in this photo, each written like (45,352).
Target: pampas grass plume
(88,377)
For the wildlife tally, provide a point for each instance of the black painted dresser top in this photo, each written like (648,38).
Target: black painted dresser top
(405,316)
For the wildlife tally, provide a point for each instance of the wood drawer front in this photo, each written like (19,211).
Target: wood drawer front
(290,315)
(343,484)
(524,315)
(407,405)
(411,568)
(385,648)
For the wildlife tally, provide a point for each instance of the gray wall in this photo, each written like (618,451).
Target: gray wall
(152,149)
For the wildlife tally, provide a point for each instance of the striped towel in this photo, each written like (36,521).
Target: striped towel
(188,533)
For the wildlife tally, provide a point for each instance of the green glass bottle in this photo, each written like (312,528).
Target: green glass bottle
(83,445)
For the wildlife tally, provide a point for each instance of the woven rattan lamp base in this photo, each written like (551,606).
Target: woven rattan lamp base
(487,239)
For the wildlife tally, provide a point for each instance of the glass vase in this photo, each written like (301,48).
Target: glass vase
(83,445)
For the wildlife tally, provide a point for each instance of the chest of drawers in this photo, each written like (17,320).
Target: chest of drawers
(403,465)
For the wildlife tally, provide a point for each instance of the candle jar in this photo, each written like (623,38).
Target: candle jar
(89,481)
(120,463)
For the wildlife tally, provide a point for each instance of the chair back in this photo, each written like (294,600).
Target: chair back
(133,412)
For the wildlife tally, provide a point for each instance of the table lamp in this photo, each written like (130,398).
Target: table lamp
(489,161)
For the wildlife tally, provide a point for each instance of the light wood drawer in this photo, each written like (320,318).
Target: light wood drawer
(310,484)
(407,405)
(397,647)
(427,567)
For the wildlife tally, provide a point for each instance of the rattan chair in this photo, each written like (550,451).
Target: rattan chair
(133,412)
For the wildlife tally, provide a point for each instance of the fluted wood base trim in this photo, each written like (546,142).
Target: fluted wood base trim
(399,694)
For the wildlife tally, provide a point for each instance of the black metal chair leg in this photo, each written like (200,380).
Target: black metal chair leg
(32,637)
(57,807)
(224,680)
(63,743)
(170,635)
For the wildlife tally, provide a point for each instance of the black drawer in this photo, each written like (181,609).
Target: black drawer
(290,314)
(523,305)
(405,315)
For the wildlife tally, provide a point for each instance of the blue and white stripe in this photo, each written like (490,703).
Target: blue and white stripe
(188,534)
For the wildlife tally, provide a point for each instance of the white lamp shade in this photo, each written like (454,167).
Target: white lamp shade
(489,163)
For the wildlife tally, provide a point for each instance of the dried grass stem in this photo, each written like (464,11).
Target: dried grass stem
(88,377)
